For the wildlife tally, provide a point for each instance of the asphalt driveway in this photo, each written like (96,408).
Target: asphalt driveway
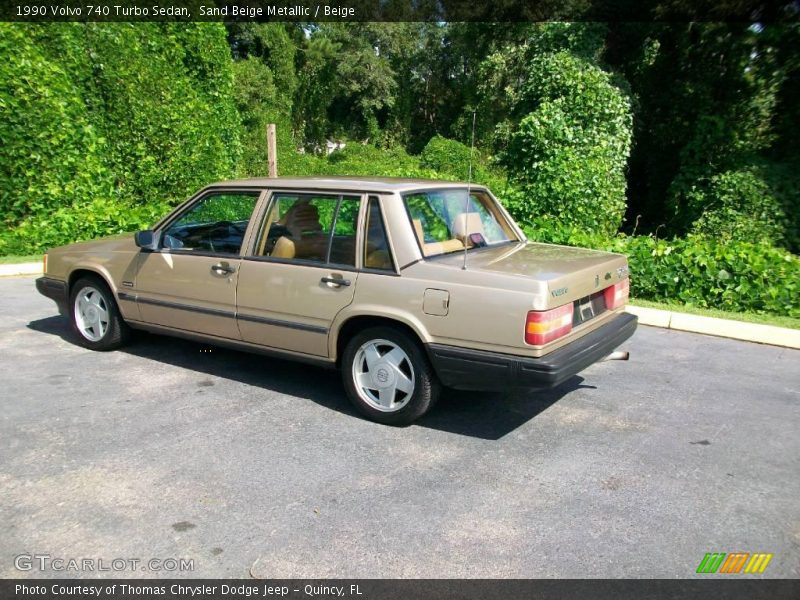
(248,465)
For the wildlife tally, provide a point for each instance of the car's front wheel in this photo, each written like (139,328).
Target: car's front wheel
(95,317)
(388,377)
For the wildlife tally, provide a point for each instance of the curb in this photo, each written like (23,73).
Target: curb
(737,330)
(15,270)
(654,317)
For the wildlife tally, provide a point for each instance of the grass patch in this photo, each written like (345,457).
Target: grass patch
(12,260)
(776,320)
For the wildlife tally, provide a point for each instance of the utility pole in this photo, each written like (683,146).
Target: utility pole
(272,151)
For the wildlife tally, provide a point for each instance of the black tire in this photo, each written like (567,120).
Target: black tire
(116,332)
(414,367)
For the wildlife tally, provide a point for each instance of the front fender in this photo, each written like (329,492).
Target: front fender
(113,273)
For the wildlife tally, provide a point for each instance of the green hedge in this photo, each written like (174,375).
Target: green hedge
(451,159)
(757,203)
(103,123)
(733,276)
(52,152)
(87,220)
(362,160)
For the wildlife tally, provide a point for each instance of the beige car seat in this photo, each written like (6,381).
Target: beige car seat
(466,224)
(432,248)
(284,248)
(378,259)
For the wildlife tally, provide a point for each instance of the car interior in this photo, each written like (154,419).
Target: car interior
(217,223)
(466,228)
(299,232)
(376,246)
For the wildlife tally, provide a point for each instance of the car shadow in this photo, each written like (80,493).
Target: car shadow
(492,415)
(55,325)
(488,416)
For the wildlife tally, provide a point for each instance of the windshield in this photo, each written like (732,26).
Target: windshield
(445,221)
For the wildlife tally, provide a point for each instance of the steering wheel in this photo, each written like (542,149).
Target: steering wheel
(220,226)
(237,227)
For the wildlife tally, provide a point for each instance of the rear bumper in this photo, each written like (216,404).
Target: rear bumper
(466,369)
(55,290)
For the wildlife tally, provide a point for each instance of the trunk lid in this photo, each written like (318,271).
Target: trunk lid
(570,273)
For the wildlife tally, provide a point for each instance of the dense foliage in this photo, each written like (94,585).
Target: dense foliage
(683,131)
(736,276)
(568,155)
(105,124)
(740,205)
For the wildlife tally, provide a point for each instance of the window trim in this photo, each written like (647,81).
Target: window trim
(269,204)
(478,188)
(167,221)
(393,270)
(333,231)
(303,262)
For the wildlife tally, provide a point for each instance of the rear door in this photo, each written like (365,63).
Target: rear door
(301,272)
(190,284)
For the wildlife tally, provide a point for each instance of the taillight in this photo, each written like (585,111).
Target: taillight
(44,264)
(617,294)
(548,325)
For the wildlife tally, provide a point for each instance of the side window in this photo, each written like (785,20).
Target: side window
(376,245)
(343,242)
(311,227)
(447,220)
(427,216)
(480,218)
(216,224)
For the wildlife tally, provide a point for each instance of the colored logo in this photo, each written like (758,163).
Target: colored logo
(720,562)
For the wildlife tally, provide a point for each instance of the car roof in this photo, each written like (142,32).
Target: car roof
(366,184)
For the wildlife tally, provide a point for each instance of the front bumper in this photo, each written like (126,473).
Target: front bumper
(55,290)
(466,369)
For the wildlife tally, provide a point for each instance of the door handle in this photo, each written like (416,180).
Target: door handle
(223,268)
(336,281)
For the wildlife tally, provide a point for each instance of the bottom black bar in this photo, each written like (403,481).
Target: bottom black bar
(384,589)
(55,290)
(466,369)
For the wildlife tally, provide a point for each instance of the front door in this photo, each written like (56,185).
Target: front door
(190,284)
(302,272)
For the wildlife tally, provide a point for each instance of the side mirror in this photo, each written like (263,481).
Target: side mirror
(147,239)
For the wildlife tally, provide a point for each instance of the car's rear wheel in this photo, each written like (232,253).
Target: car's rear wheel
(95,317)
(388,377)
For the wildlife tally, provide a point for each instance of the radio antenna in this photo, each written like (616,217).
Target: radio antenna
(469,190)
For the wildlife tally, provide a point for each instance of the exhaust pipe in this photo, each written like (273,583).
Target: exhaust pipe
(619,355)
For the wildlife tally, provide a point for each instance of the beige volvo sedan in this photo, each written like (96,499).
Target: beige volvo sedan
(405,285)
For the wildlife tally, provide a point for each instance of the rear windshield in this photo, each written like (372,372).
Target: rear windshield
(446,221)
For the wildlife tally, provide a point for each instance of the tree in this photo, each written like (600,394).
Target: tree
(568,155)
(348,83)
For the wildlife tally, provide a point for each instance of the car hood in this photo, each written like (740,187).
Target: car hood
(114,243)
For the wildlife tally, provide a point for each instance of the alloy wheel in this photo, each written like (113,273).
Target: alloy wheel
(91,314)
(383,375)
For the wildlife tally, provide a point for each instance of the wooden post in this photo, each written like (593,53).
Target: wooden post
(272,151)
